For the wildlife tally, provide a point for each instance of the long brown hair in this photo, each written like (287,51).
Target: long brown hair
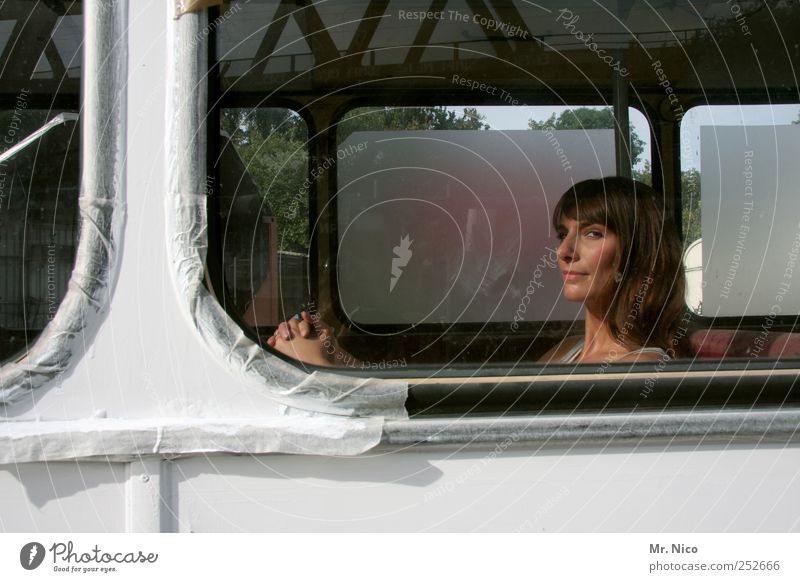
(647,302)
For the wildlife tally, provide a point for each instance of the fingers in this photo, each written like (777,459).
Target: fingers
(283,331)
(306,324)
(302,325)
(294,328)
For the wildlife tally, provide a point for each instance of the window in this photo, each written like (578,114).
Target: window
(743,233)
(437,211)
(39,166)
(263,214)
(423,151)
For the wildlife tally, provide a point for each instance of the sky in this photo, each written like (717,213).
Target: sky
(507,118)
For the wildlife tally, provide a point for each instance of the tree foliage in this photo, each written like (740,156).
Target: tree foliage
(690,200)
(690,205)
(272,143)
(589,118)
(645,175)
(408,118)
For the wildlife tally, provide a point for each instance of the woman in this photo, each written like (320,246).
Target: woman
(620,256)
(615,241)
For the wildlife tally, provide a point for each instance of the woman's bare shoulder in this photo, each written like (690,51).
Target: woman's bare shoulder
(643,354)
(558,351)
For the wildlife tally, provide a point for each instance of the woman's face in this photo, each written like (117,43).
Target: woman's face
(587,261)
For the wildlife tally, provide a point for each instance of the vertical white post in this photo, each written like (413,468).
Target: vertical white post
(145,496)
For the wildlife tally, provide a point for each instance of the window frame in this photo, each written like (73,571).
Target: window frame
(215,269)
(332,208)
(739,322)
(103,125)
(190,51)
(468,390)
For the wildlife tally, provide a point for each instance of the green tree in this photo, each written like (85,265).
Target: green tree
(272,145)
(408,118)
(645,175)
(239,124)
(690,200)
(588,118)
(690,205)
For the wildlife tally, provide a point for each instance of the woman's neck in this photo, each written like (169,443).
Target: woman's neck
(599,343)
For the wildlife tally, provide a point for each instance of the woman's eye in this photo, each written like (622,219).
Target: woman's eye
(561,235)
(593,234)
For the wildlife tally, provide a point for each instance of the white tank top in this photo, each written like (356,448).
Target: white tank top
(573,353)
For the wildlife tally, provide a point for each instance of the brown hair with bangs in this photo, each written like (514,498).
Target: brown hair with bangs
(645,310)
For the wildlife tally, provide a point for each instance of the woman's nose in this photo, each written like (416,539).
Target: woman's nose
(566,250)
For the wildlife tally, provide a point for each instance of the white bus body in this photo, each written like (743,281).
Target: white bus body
(147,421)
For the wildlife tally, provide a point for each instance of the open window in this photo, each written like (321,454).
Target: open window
(420,152)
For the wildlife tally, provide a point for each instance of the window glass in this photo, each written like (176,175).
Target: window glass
(263,211)
(473,187)
(743,231)
(437,142)
(437,209)
(436,214)
(270,45)
(39,165)
(740,233)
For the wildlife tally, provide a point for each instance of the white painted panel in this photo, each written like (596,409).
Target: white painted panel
(147,359)
(62,497)
(680,488)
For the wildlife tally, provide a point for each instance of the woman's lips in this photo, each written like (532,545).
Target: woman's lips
(572,275)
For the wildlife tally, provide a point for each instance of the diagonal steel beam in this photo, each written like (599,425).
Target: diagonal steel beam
(424,33)
(501,46)
(28,41)
(367,26)
(316,34)
(55,60)
(311,26)
(508,13)
(274,31)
